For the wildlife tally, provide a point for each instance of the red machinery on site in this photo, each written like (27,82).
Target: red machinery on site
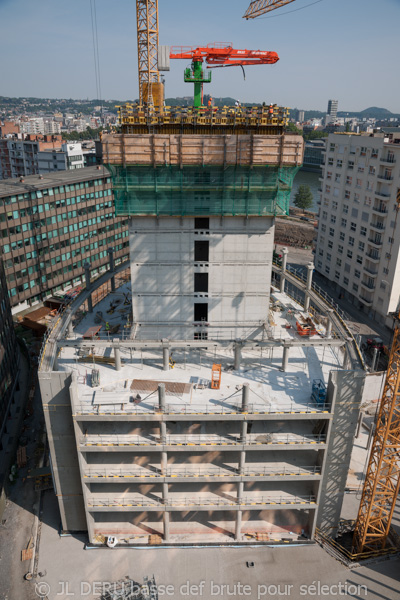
(220,54)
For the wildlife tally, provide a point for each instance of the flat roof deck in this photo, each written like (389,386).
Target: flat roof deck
(271,389)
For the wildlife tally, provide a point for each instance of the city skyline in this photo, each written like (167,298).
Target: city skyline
(322,54)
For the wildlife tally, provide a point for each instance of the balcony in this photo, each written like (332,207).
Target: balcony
(373,257)
(381,210)
(366,301)
(378,226)
(371,272)
(388,160)
(368,285)
(381,195)
(377,242)
(385,178)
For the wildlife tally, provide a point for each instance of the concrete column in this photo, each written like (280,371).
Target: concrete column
(285,253)
(88,285)
(285,360)
(161,396)
(165,492)
(240,490)
(117,354)
(163,432)
(166,527)
(242,461)
(245,397)
(165,356)
(238,526)
(310,270)
(111,261)
(238,354)
(164,463)
(244,432)
(329,327)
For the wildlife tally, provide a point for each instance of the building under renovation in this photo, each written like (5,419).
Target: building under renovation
(190,401)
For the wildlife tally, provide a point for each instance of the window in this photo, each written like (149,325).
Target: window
(363,150)
(337,178)
(327,270)
(339,262)
(320,252)
(329,175)
(386,271)
(333,219)
(344,222)
(323,227)
(201,282)
(328,257)
(356,198)
(331,231)
(347,194)
(200,311)
(346,268)
(372,171)
(201,251)
(346,280)
(354,212)
(349,254)
(330,162)
(337,275)
(358,183)
(349,180)
(353,226)
(334,205)
(391,240)
(345,208)
(336,192)
(351,241)
(357,274)
(330,244)
(388,255)
(202,223)
(324,215)
(350,164)
(359,259)
(363,231)
(361,246)
(342,236)
(331,147)
(383,286)
(339,163)
(340,249)
(328,189)
(355,287)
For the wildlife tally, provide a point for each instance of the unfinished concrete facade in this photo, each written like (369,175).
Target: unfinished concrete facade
(159,451)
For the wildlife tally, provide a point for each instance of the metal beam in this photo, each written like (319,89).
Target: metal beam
(260,7)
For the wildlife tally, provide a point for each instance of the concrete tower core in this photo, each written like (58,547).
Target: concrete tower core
(201,227)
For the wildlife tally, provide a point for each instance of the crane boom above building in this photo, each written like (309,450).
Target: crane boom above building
(260,7)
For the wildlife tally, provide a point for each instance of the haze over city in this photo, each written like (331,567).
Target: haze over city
(332,49)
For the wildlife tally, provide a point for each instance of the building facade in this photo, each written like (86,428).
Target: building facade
(332,110)
(358,244)
(50,225)
(314,155)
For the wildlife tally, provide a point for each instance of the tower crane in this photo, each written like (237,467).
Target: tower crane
(150,87)
(217,55)
(259,7)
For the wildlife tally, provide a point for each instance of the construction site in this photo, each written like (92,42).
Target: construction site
(200,401)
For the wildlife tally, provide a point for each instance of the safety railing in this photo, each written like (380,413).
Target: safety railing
(258,439)
(204,409)
(186,472)
(200,500)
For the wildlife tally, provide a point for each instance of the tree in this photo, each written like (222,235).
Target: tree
(303,198)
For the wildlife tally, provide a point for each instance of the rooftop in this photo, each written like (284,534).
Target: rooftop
(133,390)
(10,187)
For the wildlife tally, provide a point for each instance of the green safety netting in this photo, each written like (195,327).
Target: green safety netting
(174,191)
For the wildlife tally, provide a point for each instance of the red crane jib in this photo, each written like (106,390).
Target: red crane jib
(224,56)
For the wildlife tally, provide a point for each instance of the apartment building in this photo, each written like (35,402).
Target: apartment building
(69,157)
(359,228)
(50,225)
(19,153)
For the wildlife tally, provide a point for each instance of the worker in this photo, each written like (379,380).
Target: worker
(107,326)
(271,110)
(210,101)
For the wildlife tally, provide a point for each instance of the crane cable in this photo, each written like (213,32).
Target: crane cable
(287,12)
(96,52)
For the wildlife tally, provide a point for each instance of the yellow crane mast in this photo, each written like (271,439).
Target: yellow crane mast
(150,87)
(259,7)
(382,481)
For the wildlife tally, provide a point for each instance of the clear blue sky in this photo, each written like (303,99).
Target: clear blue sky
(342,49)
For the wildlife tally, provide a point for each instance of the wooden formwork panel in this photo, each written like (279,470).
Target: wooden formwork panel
(159,149)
